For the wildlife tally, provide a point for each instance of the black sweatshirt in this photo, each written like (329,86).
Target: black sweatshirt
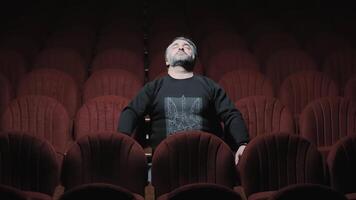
(174,105)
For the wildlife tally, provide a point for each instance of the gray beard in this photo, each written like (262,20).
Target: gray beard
(187,63)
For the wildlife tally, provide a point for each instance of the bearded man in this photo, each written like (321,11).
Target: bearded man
(182,101)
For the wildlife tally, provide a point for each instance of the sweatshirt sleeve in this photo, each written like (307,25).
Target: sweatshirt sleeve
(230,116)
(135,110)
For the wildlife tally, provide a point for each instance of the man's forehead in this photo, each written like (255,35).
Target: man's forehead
(180,41)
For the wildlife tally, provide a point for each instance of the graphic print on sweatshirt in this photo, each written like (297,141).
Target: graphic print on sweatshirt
(183,113)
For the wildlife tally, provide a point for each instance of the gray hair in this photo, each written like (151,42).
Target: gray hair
(190,42)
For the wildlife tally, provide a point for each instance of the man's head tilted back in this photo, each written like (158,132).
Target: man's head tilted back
(181,52)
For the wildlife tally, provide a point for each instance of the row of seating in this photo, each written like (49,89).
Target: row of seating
(269,163)
(323,121)
(295,92)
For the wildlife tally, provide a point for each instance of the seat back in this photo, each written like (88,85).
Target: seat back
(100,114)
(326,120)
(112,158)
(265,115)
(28,163)
(342,162)
(111,82)
(277,160)
(191,157)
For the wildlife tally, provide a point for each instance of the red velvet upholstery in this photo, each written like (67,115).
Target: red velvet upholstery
(22,43)
(268,43)
(52,83)
(285,62)
(325,121)
(11,193)
(13,66)
(307,191)
(28,163)
(225,61)
(217,40)
(108,158)
(341,66)
(322,44)
(342,162)
(63,59)
(207,191)
(40,116)
(273,161)
(245,82)
(6,93)
(300,88)
(111,82)
(191,157)
(100,114)
(265,115)
(350,89)
(120,59)
(96,191)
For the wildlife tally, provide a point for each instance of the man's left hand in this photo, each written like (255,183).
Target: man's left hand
(239,153)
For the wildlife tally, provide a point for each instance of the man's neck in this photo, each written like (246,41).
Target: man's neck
(178,72)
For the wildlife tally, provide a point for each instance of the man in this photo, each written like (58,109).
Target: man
(183,101)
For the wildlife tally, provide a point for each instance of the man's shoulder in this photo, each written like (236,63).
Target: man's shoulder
(206,80)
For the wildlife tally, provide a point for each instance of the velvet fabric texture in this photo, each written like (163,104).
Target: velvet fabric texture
(40,116)
(273,161)
(116,82)
(244,83)
(326,120)
(265,115)
(108,158)
(97,191)
(52,83)
(100,114)
(307,191)
(28,163)
(342,163)
(191,157)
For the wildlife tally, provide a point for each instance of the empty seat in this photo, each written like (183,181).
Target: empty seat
(350,89)
(342,162)
(100,114)
(326,120)
(341,66)
(52,83)
(285,62)
(40,116)
(307,191)
(6,93)
(11,193)
(278,160)
(265,115)
(244,82)
(220,40)
(13,66)
(268,43)
(111,82)
(301,88)
(207,191)
(120,59)
(191,157)
(105,158)
(226,61)
(28,163)
(96,191)
(63,59)
(322,44)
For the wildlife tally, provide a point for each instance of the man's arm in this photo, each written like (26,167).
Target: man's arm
(135,110)
(232,119)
